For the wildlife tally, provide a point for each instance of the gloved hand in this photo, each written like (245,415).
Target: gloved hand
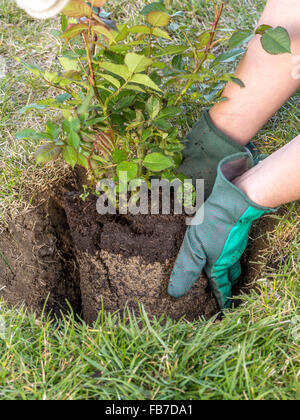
(205,147)
(42,8)
(217,244)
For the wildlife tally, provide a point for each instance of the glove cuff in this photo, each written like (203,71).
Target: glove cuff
(205,136)
(229,168)
(205,147)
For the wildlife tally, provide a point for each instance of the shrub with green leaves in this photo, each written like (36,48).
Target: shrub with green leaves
(123,88)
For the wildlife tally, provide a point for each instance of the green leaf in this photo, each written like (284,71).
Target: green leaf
(47,152)
(276,41)
(135,87)
(77,9)
(262,29)
(175,147)
(95,121)
(31,67)
(203,39)
(98,158)
(239,38)
(160,33)
(62,98)
(140,29)
(52,129)
(158,6)
(162,124)
(119,155)
(144,80)
(99,29)
(169,112)
(122,34)
(137,63)
(238,81)
(130,168)
(124,102)
(159,65)
(82,160)
(157,162)
(66,126)
(172,49)
(115,82)
(69,64)
(86,103)
(118,69)
(74,140)
(229,56)
(158,18)
(51,77)
(74,30)
(29,133)
(70,155)
(153,107)
(73,75)
(31,106)
(75,124)
(146,134)
(178,62)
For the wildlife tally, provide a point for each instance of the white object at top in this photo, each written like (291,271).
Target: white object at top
(42,9)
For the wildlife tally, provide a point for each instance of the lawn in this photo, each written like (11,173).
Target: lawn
(251,353)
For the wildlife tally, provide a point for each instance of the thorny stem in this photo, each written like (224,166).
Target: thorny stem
(91,76)
(218,14)
(150,45)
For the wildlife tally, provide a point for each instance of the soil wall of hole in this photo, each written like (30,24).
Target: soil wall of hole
(65,254)
(37,262)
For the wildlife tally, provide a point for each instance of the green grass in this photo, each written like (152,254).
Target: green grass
(253,353)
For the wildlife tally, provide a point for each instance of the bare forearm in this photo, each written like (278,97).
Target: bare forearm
(276,180)
(269,79)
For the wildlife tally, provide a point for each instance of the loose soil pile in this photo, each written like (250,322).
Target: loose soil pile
(64,253)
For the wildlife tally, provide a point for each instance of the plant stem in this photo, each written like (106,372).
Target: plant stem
(218,14)
(105,106)
(91,76)
(150,45)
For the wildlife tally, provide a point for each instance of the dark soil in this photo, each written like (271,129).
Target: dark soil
(125,259)
(38,265)
(65,254)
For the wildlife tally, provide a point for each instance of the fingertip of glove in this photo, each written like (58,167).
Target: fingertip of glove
(174,290)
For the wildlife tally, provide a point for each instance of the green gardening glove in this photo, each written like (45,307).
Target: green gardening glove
(205,147)
(216,244)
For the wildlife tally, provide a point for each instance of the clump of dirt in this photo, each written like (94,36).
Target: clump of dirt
(125,259)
